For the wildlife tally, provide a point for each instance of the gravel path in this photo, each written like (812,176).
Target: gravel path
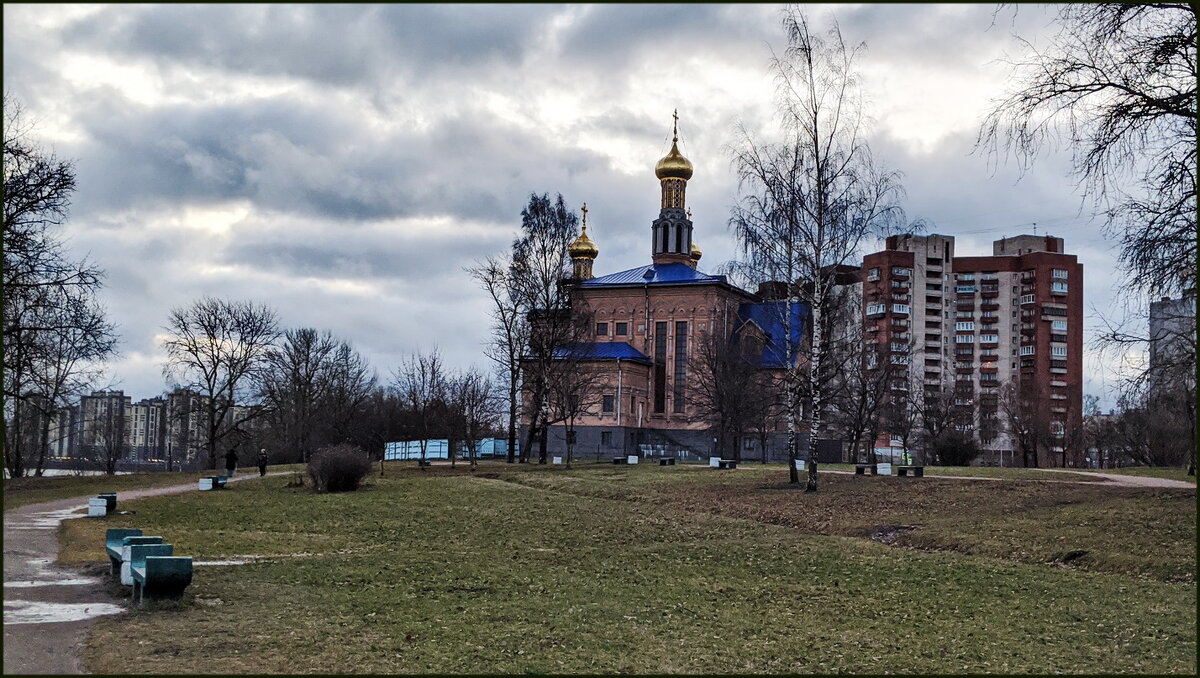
(47,609)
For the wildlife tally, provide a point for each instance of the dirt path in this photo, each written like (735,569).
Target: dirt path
(1112,478)
(47,609)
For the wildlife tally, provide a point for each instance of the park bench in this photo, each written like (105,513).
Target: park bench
(112,545)
(727,464)
(97,507)
(861,469)
(123,554)
(424,462)
(213,482)
(620,460)
(917,471)
(136,554)
(669,461)
(111,499)
(161,577)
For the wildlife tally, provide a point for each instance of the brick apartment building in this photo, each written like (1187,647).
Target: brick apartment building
(985,328)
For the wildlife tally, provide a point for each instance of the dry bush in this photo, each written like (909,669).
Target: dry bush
(338,468)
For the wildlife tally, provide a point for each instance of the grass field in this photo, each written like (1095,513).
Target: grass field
(649,570)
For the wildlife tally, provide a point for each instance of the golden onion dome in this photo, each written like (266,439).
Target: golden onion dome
(696,252)
(583,247)
(673,165)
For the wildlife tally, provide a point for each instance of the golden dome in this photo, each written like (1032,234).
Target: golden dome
(696,252)
(674,165)
(583,247)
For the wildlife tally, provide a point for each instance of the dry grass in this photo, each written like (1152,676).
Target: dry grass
(645,570)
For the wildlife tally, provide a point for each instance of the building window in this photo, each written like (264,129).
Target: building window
(876,309)
(606,438)
(1027,350)
(964,289)
(1028,298)
(900,308)
(606,403)
(873,274)
(680,365)
(1058,325)
(1058,273)
(622,329)
(964,339)
(966,276)
(964,325)
(1058,287)
(989,338)
(1058,351)
(660,367)
(601,329)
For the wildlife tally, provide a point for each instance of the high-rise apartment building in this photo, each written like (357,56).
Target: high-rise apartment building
(976,330)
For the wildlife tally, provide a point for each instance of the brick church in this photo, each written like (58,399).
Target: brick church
(646,327)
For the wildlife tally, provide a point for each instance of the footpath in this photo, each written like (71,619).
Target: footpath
(48,609)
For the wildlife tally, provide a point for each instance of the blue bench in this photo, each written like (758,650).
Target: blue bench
(161,577)
(137,560)
(112,545)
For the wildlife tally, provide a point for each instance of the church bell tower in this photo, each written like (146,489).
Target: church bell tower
(672,230)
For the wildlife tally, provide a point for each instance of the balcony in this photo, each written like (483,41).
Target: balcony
(901,297)
(901,309)
(901,273)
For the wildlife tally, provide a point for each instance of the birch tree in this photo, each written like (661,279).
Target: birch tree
(807,204)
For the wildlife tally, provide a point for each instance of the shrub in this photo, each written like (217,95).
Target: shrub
(338,468)
(955,449)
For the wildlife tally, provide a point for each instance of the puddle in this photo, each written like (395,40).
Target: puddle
(69,581)
(220,562)
(44,520)
(27,612)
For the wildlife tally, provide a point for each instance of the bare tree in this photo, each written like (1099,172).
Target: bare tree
(294,381)
(351,381)
(1118,83)
(472,397)
(215,346)
(420,382)
(729,385)
(1027,425)
(109,442)
(510,331)
(808,203)
(55,332)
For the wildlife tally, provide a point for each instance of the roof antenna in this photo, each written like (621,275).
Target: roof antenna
(1035,228)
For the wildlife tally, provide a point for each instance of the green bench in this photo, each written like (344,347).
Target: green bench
(112,545)
(123,554)
(161,578)
(917,471)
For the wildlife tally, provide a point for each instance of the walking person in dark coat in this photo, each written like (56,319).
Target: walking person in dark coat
(262,462)
(231,462)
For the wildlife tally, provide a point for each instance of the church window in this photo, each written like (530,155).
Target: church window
(660,367)
(606,438)
(601,329)
(622,329)
(607,403)
(680,364)
(678,237)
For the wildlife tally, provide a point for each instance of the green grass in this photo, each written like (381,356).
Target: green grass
(643,570)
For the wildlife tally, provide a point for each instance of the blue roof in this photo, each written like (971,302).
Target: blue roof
(600,350)
(769,316)
(660,274)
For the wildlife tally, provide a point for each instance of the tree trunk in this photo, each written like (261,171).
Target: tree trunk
(815,390)
(512,417)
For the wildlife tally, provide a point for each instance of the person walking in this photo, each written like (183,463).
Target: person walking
(231,461)
(262,462)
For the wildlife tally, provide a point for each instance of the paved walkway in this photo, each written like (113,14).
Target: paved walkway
(1117,479)
(47,609)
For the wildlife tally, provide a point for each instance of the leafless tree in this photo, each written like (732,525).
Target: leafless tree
(420,383)
(350,383)
(109,442)
(294,381)
(510,331)
(472,397)
(1118,83)
(572,385)
(214,347)
(1025,421)
(55,332)
(807,204)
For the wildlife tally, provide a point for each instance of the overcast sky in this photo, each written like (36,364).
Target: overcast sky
(343,163)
